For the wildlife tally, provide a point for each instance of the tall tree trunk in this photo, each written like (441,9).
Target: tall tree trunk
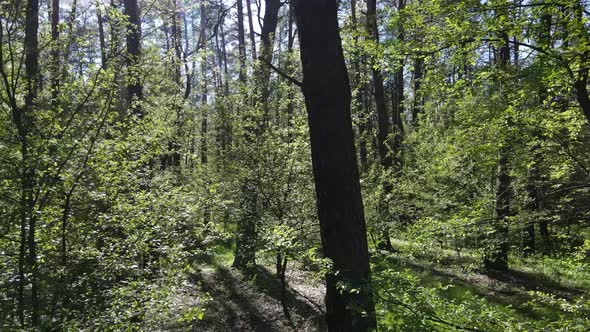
(176,34)
(262,71)
(55,72)
(289,68)
(398,109)
(583,39)
(358,108)
(496,257)
(339,203)
(533,193)
(204,107)
(101,36)
(546,42)
(245,238)
(227,126)
(241,43)
(31,45)
(133,38)
(253,130)
(251,29)
(418,99)
(383,126)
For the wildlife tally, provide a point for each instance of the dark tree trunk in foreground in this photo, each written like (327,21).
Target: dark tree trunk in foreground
(342,224)
(134,87)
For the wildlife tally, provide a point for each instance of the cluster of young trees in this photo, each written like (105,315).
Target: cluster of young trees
(135,134)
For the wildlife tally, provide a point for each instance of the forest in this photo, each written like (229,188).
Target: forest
(294,165)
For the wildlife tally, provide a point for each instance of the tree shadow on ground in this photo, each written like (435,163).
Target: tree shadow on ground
(253,303)
(508,288)
(294,302)
(535,282)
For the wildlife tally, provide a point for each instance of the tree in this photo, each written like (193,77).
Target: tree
(134,86)
(256,123)
(340,209)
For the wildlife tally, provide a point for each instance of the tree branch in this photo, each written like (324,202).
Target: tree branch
(282,73)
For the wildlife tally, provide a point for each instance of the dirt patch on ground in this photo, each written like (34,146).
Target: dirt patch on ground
(253,303)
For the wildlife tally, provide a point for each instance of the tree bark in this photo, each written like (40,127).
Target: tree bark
(383,126)
(254,128)
(204,112)
(251,29)
(533,193)
(340,208)
(241,43)
(101,36)
(55,72)
(358,108)
(418,102)
(31,44)
(262,74)
(133,39)
(496,258)
(245,238)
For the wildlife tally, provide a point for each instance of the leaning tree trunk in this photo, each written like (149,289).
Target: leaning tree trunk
(340,208)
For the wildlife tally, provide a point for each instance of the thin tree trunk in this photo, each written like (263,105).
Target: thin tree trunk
(358,96)
(254,128)
(133,38)
(289,67)
(245,249)
(383,126)
(204,115)
(262,74)
(241,43)
(496,258)
(418,99)
(251,29)
(533,192)
(101,36)
(339,203)
(55,72)
(31,45)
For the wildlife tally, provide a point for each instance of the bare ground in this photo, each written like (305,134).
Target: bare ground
(253,303)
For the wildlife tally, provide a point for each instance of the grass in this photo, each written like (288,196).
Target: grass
(538,292)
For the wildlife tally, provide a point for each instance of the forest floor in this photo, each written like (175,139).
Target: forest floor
(253,303)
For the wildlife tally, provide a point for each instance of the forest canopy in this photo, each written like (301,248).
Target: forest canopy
(294,165)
